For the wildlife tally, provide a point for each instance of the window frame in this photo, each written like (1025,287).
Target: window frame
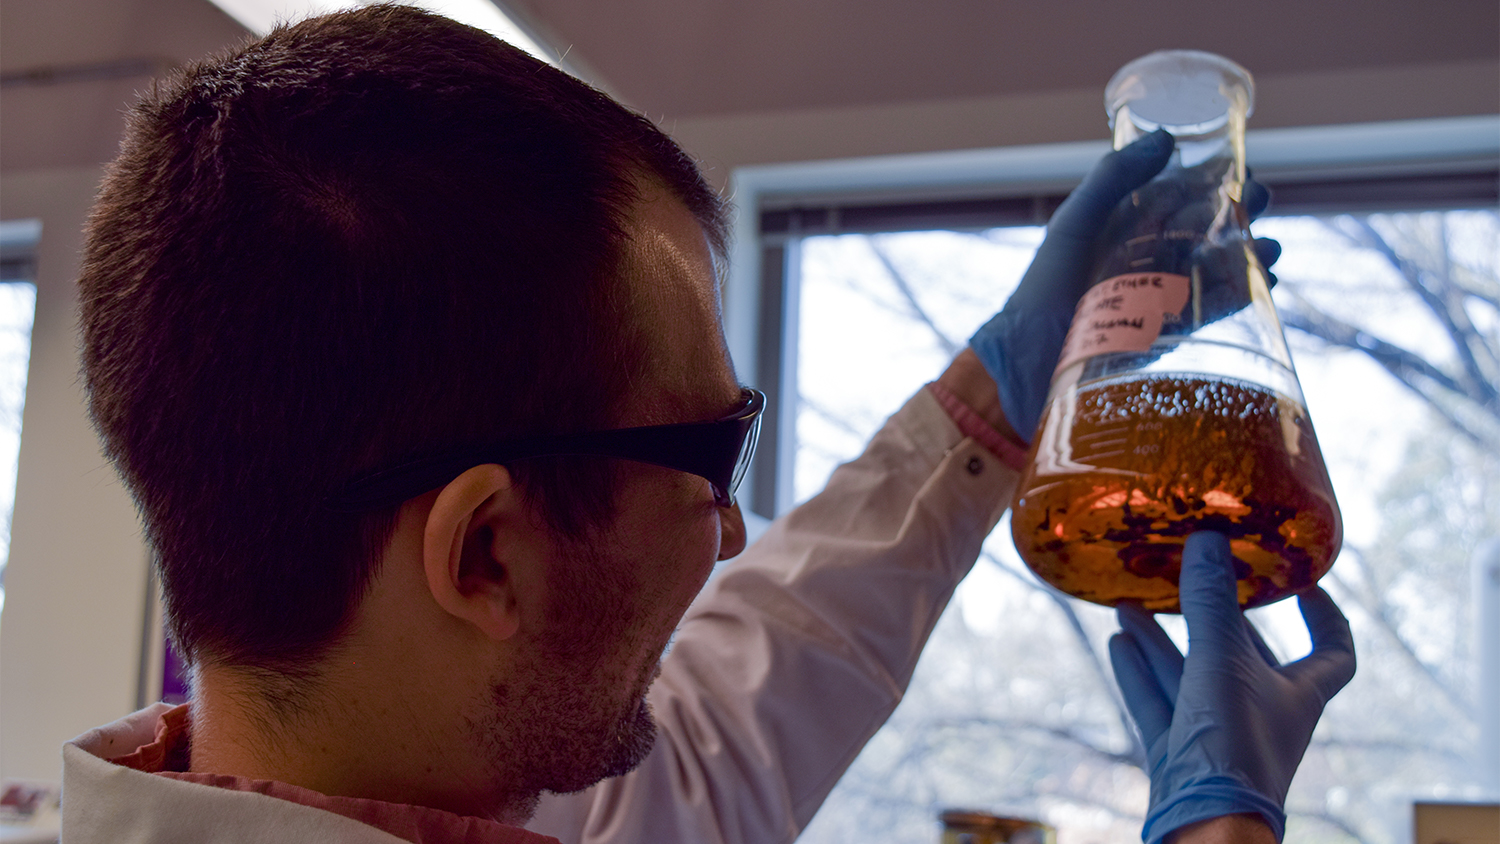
(1451,162)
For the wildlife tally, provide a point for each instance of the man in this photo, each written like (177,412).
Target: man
(409,348)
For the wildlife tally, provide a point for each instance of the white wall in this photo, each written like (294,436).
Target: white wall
(75,584)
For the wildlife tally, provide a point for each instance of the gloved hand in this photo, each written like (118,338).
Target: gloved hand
(1226,727)
(1019,346)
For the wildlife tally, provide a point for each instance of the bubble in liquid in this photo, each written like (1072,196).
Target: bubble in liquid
(1149,461)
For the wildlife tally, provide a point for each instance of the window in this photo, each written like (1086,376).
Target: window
(1013,708)
(18,240)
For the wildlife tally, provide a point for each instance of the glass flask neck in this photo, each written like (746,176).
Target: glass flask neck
(1202,99)
(1192,148)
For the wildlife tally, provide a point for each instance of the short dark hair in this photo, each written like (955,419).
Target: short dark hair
(363,238)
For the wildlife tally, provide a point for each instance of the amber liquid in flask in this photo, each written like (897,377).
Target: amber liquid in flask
(1175,406)
(1127,468)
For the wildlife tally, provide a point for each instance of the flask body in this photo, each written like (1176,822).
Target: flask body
(1124,469)
(1175,406)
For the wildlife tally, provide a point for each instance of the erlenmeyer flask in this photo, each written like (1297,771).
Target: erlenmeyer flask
(1174,406)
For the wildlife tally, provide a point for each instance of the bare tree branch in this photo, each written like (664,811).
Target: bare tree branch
(1400,362)
(878,791)
(1487,355)
(1442,298)
(950,346)
(1106,680)
(1488,298)
(1137,754)
(1334,821)
(1015,725)
(828,415)
(1381,612)
(1388,745)
(1409,369)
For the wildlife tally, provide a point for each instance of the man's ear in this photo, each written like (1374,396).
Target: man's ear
(460,553)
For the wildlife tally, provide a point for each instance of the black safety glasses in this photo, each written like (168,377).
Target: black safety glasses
(718,451)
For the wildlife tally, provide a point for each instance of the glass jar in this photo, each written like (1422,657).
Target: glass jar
(1175,406)
(962,826)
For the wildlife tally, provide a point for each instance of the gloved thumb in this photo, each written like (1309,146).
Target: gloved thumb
(1210,600)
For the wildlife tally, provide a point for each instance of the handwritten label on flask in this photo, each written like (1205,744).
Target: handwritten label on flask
(1123,314)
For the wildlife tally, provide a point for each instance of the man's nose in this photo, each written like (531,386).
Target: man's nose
(731,532)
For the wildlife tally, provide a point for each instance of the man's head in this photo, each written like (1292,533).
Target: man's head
(369,238)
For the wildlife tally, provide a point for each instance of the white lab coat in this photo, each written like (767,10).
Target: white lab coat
(781,671)
(797,653)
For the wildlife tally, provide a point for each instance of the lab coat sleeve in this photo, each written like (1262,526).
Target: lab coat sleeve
(798,651)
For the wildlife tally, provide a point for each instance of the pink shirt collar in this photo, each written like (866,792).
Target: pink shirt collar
(167,756)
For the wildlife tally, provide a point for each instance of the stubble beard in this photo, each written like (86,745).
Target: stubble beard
(562,736)
(575,714)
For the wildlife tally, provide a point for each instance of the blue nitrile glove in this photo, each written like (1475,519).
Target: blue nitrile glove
(1019,346)
(1226,727)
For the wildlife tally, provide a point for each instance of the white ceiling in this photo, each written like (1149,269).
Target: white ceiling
(725,71)
(685,58)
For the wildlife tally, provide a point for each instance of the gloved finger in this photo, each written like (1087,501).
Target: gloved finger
(1331,664)
(1222,270)
(1222,290)
(1260,645)
(1149,706)
(1210,600)
(1267,251)
(1256,196)
(1160,652)
(1082,214)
